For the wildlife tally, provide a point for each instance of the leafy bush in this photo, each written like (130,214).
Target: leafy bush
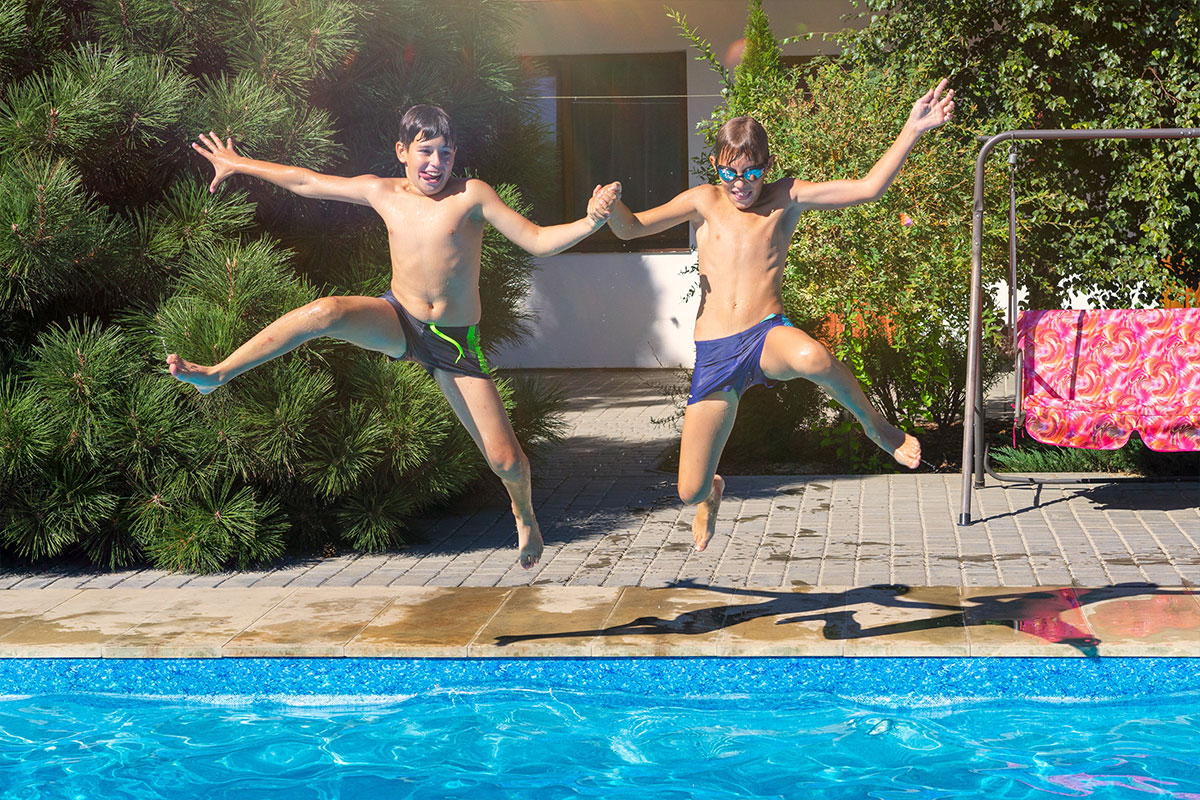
(1104,219)
(890,300)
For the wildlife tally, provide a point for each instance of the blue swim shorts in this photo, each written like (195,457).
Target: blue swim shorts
(732,364)
(453,349)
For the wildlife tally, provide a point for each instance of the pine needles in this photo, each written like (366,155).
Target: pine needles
(113,252)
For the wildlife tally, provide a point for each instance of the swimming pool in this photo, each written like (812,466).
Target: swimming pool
(704,727)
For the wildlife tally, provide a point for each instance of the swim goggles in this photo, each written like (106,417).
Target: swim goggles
(751,174)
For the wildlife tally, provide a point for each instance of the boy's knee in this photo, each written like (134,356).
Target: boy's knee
(326,312)
(509,463)
(693,494)
(814,358)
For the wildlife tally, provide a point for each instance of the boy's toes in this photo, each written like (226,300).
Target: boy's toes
(909,452)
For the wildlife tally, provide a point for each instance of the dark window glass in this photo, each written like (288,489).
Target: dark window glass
(618,117)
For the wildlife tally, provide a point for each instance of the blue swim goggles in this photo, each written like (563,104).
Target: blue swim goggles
(751,174)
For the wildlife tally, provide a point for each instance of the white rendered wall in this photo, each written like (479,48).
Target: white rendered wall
(609,310)
(632,309)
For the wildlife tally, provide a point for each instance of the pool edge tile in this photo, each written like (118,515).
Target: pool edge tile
(757,630)
(555,621)
(906,622)
(428,622)
(82,624)
(695,630)
(196,621)
(1026,622)
(330,616)
(546,622)
(1144,621)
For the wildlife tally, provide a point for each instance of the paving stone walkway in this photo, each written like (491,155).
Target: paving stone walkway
(610,519)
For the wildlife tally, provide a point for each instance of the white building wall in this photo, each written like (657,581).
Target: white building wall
(609,310)
(634,309)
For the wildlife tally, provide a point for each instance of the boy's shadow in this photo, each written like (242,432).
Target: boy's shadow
(1037,613)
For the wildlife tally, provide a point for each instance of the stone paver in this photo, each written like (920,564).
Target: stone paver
(575,621)
(611,519)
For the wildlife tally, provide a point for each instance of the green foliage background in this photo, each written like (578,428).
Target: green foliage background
(890,300)
(1101,219)
(113,252)
(1115,222)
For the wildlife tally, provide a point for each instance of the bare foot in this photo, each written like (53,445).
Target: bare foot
(705,522)
(529,544)
(203,378)
(909,452)
(903,447)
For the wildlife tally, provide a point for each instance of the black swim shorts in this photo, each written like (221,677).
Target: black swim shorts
(453,349)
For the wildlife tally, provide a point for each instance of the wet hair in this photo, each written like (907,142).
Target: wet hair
(426,122)
(742,136)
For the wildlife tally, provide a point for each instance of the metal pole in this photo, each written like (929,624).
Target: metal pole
(1012,243)
(1107,133)
(1018,362)
(981,407)
(975,333)
(980,448)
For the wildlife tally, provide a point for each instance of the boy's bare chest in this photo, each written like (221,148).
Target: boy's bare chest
(749,235)
(425,222)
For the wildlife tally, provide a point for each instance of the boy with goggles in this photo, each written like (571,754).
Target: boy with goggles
(428,315)
(743,227)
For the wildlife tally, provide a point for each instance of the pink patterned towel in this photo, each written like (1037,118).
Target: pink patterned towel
(1093,377)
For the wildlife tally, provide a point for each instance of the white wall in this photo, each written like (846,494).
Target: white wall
(631,309)
(610,310)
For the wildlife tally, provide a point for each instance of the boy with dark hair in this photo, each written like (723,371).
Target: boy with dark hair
(430,312)
(743,227)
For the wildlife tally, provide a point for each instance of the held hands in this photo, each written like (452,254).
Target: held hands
(933,109)
(600,205)
(221,156)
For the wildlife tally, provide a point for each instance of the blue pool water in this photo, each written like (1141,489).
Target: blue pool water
(611,728)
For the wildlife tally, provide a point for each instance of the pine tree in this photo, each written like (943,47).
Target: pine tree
(113,252)
(761,64)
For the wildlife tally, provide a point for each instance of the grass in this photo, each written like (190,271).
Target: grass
(1133,459)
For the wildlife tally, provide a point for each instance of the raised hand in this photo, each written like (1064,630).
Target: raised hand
(933,109)
(221,155)
(600,205)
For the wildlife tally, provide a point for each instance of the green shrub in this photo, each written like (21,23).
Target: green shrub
(1134,458)
(1098,218)
(890,300)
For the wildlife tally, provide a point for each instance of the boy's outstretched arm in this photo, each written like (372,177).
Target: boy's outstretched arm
(934,108)
(550,239)
(304,182)
(628,225)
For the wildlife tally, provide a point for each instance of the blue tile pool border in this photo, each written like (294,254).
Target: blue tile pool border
(914,679)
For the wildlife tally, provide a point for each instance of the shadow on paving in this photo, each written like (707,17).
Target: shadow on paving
(622,456)
(1168,496)
(1033,612)
(561,525)
(1160,496)
(586,403)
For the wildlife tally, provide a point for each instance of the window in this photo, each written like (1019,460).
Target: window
(617,117)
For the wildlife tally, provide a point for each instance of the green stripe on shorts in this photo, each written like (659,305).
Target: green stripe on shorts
(473,343)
